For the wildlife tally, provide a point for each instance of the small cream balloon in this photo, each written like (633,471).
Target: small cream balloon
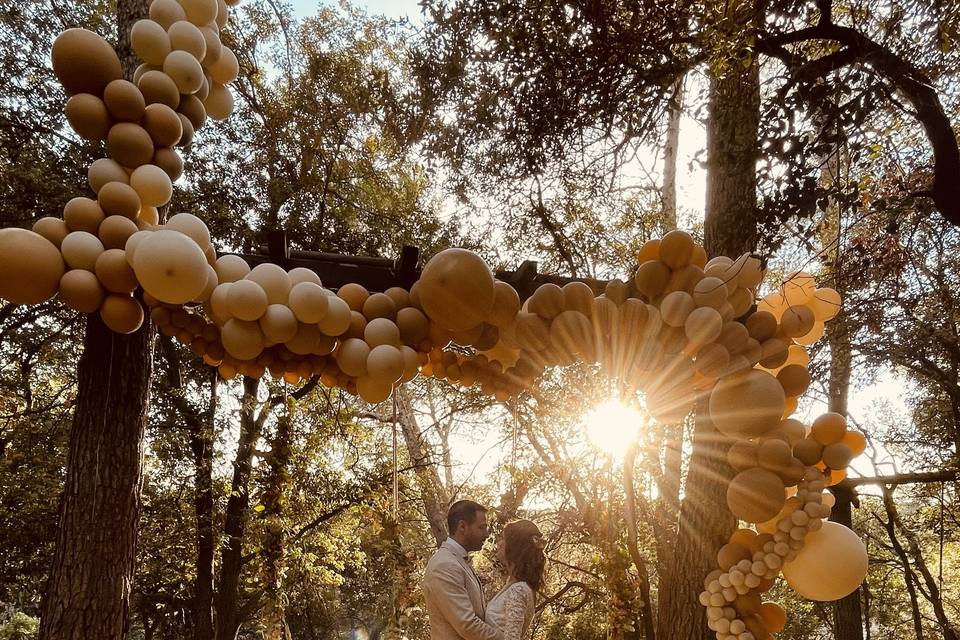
(152,184)
(242,340)
(231,268)
(191,226)
(309,302)
(81,249)
(273,279)
(247,300)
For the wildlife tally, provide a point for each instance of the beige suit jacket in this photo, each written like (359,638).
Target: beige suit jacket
(454,597)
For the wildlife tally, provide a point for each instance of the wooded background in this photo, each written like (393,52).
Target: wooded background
(522,130)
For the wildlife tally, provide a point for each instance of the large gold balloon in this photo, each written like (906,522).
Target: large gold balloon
(755,495)
(171,267)
(456,289)
(84,62)
(831,564)
(747,404)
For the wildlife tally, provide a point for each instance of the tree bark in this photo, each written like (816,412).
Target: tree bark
(730,228)
(201,445)
(275,536)
(670,154)
(88,590)
(231,560)
(428,479)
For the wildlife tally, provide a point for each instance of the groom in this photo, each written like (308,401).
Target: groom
(453,592)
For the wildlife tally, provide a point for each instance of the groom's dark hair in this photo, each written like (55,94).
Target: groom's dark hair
(463,510)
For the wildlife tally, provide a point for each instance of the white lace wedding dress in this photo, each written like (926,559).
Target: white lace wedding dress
(511,611)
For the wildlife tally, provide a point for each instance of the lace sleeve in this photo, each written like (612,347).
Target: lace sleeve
(518,611)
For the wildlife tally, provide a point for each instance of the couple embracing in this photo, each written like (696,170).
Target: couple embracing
(455,602)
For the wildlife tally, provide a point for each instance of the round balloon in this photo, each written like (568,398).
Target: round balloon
(170,267)
(831,564)
(456,289)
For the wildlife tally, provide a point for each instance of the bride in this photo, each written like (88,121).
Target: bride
(521,551)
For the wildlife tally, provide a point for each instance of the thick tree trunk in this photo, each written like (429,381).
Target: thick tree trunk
(231,560)
(275,537)
(201,445)
(88,589)
(730,228)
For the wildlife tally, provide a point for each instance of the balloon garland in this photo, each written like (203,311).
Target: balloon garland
(681,329)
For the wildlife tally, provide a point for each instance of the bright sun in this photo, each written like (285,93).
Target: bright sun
(612,425)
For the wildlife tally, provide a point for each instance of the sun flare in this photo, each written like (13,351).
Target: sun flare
(611,426)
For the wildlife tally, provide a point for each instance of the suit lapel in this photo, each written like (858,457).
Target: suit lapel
(481,610)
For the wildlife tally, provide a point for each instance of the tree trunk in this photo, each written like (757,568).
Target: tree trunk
(670,154)
(88,590)
(201,445)
(428,479)
(231,560)
(274,539)
(730,228)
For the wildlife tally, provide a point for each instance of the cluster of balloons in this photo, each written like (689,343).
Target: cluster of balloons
(780,488)
(683,328)
(86,256)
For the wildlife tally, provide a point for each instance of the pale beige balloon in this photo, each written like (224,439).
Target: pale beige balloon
(30,266)
(211,285)
(152,184)
(170,267)
(278,324)
(411,364)
(799,288)
(381,331)
(456,289)
(150,41)
(242,340)
(185,71)
(307,340)
(81,249)
(226,68)
(337,319)
(81,291)
(231,268)
(166,12)
(351,357)
(825,304)
(223,14)
(308,301)
(148,217)
(192,227)
(220,303)
(273,279)
(301,274)
(119,199)
(676,307)
(247,300)
(831,564)
(186,36)
(710,292)
(133,242)
(703,326)
(385,363)
(219,103)
(159,88)
(105,170)
(214,47)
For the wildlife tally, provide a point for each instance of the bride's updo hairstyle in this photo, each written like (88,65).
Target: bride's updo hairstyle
(523,548)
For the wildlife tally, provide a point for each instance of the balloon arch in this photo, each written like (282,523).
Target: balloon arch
(683,328)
